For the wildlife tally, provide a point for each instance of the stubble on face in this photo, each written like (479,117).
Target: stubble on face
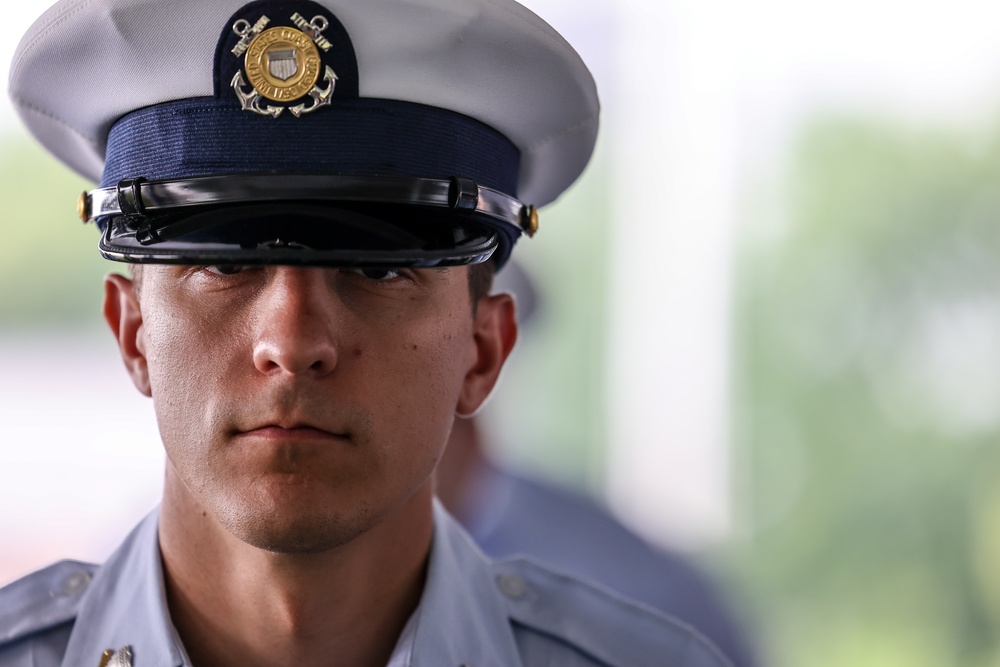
(386,406)
(274,509)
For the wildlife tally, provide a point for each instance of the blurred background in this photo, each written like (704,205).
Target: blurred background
(771,334)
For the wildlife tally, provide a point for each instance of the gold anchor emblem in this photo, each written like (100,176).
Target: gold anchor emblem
(282,64)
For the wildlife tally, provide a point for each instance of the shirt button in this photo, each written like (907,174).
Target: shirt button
(75,583)
(512,586)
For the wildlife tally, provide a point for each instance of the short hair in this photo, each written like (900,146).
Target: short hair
(135,272)
(480,281)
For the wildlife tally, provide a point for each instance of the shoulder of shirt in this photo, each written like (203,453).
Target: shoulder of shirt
(42,600)
(597,622)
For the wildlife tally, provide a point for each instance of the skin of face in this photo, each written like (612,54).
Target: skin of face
(299,406)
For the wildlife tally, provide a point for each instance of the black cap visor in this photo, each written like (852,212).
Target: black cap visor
(369,235)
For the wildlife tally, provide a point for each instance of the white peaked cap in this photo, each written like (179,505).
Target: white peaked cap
(86,63)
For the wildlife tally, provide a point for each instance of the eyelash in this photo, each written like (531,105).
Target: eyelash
(222,269)
(388,274)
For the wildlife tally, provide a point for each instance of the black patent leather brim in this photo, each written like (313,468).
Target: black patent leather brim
(300,234)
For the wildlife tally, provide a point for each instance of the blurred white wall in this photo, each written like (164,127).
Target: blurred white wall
(80,456)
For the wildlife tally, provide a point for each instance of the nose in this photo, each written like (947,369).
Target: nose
(295,323)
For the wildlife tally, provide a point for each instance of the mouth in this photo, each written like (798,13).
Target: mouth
(281,434)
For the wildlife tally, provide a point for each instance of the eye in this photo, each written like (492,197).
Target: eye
(225,269)
(378,274)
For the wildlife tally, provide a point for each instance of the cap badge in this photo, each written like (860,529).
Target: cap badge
(282,64)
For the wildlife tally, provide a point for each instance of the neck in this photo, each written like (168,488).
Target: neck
(460,470)
(234,604)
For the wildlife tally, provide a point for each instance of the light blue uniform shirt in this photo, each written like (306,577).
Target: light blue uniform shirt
(473,613)
(509,515)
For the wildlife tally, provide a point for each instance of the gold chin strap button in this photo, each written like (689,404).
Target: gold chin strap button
(83,207)
(529,220)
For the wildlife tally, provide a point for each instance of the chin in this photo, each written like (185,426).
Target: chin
(295,528)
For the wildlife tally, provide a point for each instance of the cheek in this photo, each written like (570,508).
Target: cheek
(191,339)
(193,362)
(418,376)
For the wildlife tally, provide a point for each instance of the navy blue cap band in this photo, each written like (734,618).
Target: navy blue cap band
(203,136)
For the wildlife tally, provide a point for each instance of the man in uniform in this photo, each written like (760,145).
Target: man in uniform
(314,196)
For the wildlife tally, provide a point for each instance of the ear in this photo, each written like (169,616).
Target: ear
(494,333)
(121,311)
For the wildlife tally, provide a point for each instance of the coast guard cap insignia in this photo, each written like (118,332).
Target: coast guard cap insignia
(284,61)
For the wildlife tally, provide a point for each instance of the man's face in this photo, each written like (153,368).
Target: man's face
(299,406)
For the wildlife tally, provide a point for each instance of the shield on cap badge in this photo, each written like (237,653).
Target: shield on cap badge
(282,63)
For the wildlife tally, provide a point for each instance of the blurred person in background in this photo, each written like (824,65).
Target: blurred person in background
(509,515)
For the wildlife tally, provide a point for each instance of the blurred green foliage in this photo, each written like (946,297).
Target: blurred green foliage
(50,270)
(868,400)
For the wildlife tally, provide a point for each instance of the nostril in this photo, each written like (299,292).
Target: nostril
(295,357)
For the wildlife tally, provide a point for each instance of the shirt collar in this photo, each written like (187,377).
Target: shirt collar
(461,619)
(126,605)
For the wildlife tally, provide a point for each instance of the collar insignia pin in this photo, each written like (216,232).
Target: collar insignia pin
(120,658)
